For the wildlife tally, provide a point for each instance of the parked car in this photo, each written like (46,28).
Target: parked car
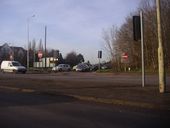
(104,67)
(74,68)
(62,67)
(12,66)
(94,68)
(82,67)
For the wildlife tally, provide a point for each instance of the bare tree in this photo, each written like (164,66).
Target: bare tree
(109,38)
(122,40)
(165,9)
(111,47)
(150,33)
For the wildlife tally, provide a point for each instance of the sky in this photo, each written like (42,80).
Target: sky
(72,25)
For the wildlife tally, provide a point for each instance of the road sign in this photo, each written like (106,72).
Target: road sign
(40,54)
(125,56)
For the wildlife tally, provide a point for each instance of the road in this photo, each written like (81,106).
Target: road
(21,108)
(113,78)
(34,110)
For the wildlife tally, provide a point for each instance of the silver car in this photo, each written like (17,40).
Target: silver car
(62,67)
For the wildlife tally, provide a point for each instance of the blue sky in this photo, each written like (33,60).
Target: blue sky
(72,25)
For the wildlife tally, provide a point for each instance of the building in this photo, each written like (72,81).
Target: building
(13,53)
(50,62)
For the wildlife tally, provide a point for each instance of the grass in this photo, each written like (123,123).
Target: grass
(147,71)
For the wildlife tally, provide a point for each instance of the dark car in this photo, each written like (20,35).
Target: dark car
(81,67)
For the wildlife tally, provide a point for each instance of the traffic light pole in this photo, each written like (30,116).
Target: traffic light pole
(142,49)
(99,56)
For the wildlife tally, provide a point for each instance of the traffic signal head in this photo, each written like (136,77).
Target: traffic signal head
(99,54)
(136,28)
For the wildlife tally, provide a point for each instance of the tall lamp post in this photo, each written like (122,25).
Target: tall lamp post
(28,20)
(162,77)
(45,46)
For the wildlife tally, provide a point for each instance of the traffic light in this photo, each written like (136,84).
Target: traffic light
(136,28)
(100,54)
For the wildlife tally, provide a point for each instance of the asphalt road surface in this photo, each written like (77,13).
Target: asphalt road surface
(76,76)
(19,109)
(34,110)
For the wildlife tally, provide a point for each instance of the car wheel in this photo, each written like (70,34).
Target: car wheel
(23,72)
(60,70)
(3,71)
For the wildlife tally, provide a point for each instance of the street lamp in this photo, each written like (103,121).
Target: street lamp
(28,20)
(162,76)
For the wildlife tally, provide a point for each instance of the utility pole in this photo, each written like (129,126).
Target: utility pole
(28,34)
(160,51)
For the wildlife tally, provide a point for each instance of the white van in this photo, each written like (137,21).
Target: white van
(12,66)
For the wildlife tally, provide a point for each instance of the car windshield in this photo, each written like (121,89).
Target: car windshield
(60,65)
(16,64)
